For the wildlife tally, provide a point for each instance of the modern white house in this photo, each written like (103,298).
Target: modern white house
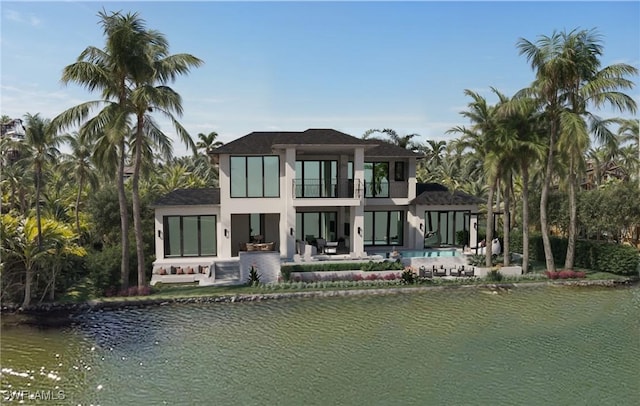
(298,194)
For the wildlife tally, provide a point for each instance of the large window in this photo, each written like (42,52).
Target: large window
(316,178)
(383,227)
(376,178)
(255,176)
(446,228)
(312,225)
(189,236)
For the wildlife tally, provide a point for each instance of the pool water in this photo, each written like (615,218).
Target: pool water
(426,253)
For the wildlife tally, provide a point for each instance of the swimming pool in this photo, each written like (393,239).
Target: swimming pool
(426,253)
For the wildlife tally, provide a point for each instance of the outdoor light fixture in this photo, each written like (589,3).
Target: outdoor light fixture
(226,232)
(359,231)
(291,231)
(160,234)
(421,226)
(475,226)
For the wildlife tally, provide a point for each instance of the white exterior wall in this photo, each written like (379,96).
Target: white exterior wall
(161,212)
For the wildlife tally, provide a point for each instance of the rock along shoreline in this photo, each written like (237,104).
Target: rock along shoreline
(62,314)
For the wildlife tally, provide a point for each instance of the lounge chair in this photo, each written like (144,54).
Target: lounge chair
(469,271)
(439,271)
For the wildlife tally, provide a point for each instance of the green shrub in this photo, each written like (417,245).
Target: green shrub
(254,277)
(408,276)
(104,269)
(370,266)
(495,276)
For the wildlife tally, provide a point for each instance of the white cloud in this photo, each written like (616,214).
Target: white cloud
(17,17)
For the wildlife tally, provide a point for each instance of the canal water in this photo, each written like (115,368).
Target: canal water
(534,346)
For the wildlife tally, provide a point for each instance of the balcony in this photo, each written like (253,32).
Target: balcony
(327,188)
(387,189)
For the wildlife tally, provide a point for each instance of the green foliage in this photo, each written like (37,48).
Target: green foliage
(370,266)
(104,269)
(495,276)
(480,260)
(598,256)
(462,237)
(254,277)
(408,276)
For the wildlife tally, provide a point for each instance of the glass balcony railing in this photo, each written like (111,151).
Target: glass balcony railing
(326,188)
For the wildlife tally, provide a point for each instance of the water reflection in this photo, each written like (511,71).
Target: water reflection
(577,346)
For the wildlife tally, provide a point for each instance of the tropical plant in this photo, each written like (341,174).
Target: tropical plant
(35,245)
(131,72)
(567,81)
(208,142)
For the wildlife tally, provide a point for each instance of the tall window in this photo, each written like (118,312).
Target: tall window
(255,176)
(190,236)
(376,178)
(312,225)
(383,227)
(446,227)
(316,178)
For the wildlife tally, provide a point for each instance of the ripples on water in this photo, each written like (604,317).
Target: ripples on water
(533,346)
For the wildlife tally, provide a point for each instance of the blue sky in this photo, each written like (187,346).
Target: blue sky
(290,66)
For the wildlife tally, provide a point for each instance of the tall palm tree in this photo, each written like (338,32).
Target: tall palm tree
(151,93)
(484,138)
(130,73)
(568,81)
(80,164)
(41,147)
(522,117)
(629,132)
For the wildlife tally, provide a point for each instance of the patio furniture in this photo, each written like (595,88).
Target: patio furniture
(439,271)
(331,247)
(469,271)
(455,272)
(320,244)
(424,273)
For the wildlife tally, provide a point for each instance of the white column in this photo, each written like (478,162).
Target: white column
(357,212)
(288,215)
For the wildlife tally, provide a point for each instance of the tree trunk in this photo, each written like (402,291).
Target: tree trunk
(80,182)
(135,190)
(38,215)
(573,219)
(525,218)
(27,288)
(506,221)
(490,224)
(124,220)
(544,199)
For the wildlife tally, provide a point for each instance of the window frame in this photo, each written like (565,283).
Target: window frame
(167,231)
(389,239)
(249,192)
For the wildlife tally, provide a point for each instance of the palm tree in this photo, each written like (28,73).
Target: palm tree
(130,72)
(34,244)
(403,141)
(81,166)
(40,145)
(521,116)
(208,142)
(629,132)
(484,138)
(568,80)
(151,93)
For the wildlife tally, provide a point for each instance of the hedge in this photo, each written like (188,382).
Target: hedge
(599,256)
(341,266)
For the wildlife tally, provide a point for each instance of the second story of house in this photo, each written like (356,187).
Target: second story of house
(314,167)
